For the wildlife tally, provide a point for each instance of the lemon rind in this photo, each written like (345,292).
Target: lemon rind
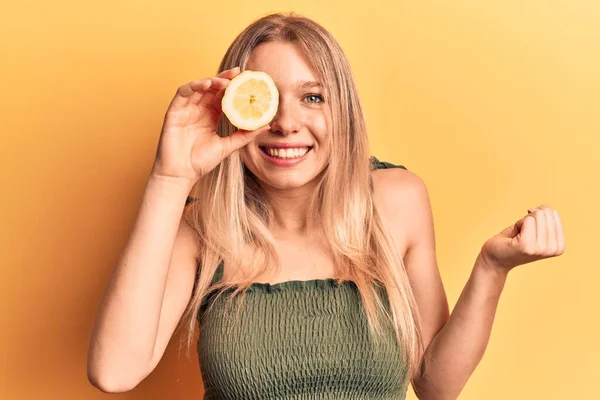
(234,117)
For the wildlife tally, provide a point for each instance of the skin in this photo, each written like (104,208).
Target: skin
(457,341)
(126,344)
(302,117)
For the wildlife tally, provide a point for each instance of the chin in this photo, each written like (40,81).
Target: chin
(286,182)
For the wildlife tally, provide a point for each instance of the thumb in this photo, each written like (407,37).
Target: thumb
(515,229)
(240,138)
(511,231)
(526,227)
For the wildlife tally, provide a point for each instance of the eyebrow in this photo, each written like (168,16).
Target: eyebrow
(307,84)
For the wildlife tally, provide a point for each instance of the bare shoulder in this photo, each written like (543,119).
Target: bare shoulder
(393,181)
(403,202)
(401,198)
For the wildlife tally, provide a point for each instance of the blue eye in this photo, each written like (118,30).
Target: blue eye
(314,98)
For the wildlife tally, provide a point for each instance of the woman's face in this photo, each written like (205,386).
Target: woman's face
(302,121)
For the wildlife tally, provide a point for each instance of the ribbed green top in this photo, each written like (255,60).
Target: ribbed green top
(297,340)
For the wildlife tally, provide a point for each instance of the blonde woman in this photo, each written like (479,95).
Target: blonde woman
(317,279)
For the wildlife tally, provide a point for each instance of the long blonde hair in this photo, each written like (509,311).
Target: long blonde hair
(232,213)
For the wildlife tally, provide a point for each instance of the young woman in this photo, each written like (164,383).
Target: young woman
(317,279)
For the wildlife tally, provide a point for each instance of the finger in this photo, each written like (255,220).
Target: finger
(184,92)
(229,73)
(541,233)
(182,96)
(191,92)
(215,101)
(551,245)
(527,234)
(241,138)
(560,234)
(216,84)
(209,98)
(200,85)
(555,234)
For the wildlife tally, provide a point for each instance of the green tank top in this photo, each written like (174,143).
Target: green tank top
(297,340)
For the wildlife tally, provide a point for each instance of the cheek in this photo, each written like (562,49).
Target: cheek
(320,126)
(252,158)
(246,155)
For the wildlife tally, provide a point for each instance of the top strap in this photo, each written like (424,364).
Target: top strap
(384,164)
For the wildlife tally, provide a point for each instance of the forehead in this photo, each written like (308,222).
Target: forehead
(283,61)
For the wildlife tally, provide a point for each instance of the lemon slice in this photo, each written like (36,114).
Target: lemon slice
(251,100)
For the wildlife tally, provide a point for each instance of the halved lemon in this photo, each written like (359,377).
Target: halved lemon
(251,100)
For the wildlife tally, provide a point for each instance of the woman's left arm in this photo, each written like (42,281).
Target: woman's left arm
(456,350)
(456,343)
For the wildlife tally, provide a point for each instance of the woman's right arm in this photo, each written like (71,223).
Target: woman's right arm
(151,285)
(147,292)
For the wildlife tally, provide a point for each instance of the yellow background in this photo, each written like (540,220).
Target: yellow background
(495,104)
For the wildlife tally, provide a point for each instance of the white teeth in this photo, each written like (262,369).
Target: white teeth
(287,153)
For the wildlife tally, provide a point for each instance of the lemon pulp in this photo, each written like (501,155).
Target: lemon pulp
(251,100)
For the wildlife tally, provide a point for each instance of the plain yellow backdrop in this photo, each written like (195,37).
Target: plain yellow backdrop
(495,104)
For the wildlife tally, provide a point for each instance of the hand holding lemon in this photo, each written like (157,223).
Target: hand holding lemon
(189,146)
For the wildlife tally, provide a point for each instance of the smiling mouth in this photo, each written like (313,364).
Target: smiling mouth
(285,154)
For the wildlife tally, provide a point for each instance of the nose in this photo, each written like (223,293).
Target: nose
(287,120)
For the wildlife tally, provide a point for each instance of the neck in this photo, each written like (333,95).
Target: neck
(290,208)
